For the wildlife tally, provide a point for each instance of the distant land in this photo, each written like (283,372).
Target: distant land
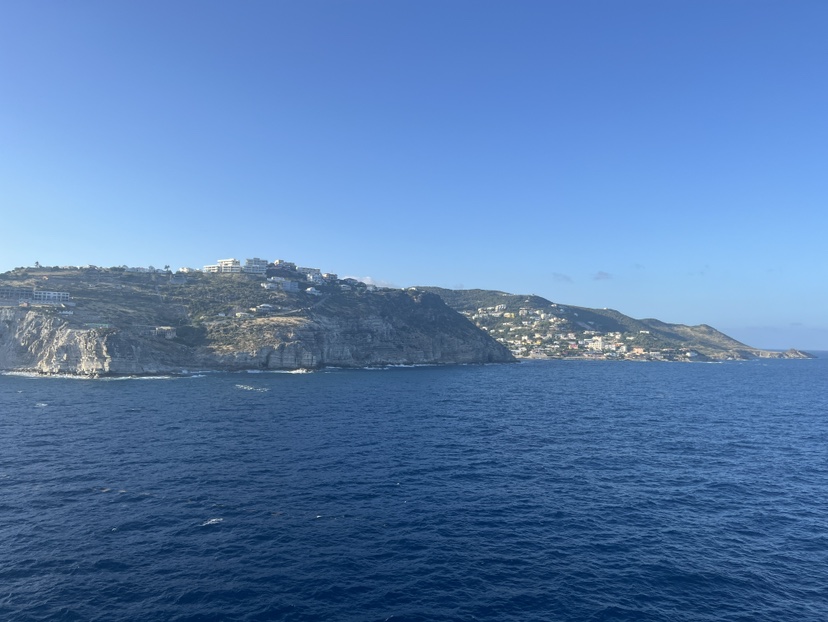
(264,315)
(534,327)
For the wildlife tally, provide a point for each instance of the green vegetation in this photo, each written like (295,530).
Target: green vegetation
(531,326)
(234,312)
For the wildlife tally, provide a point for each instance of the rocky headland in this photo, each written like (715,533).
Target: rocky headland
(117,323)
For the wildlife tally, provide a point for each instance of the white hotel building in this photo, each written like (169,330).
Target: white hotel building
(233,266)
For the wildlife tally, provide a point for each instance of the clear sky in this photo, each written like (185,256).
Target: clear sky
(666,158)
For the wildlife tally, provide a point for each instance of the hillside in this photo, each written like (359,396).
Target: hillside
(534,327)
(111,321)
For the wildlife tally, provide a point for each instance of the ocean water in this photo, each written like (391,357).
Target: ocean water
(568,490)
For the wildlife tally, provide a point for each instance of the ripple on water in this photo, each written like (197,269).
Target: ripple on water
(539,491)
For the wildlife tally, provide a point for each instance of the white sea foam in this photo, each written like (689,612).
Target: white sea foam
(301,370)
(184,374)
(212,521)
(118,378)
(247,387)
(32,374)
(399,366)
(282,371)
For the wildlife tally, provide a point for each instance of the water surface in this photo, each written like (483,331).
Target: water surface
(568,490)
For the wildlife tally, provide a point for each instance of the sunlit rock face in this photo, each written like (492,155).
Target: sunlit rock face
(391,328)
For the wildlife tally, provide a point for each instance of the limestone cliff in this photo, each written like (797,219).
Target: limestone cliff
(369,329)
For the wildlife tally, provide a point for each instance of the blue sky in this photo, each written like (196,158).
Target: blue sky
(667,159)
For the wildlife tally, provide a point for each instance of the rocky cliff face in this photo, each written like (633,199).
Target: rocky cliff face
(383,329)
(33,341)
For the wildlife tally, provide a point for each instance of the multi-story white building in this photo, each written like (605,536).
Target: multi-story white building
(309,271)
(255,266)
(25,294)
(232,266)
(279,283)
(225,266)
(596,344)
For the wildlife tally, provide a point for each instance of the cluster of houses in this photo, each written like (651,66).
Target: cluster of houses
(535,333)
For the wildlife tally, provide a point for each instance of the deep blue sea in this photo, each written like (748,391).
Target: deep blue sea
(567,490)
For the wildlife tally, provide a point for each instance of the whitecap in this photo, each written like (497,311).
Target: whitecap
(212,521)
(247,387)
(63,376)
(282,371)
(118,378)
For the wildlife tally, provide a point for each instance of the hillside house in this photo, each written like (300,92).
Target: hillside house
(309,271)
(167,332)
